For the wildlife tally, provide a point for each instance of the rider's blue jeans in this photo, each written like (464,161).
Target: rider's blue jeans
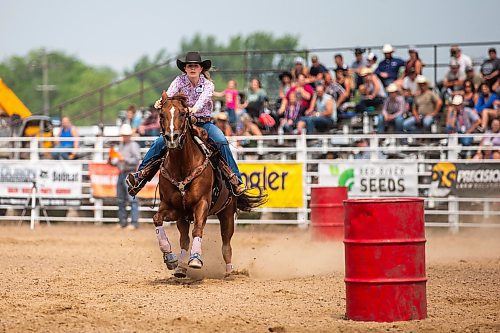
(214,133)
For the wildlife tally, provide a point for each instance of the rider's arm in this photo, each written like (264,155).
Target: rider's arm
(175,87)
(206,95)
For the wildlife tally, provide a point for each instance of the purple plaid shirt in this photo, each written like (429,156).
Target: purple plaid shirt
(199,96)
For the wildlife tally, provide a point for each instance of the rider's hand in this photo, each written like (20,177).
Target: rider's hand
(193,110)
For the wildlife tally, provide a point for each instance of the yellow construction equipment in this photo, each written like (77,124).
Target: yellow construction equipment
(10,103)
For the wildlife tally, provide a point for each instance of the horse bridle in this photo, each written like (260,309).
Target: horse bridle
(184,130)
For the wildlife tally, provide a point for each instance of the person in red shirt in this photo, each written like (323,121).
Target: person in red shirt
(304,93)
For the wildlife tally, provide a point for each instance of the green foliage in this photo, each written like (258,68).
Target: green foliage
(73,78)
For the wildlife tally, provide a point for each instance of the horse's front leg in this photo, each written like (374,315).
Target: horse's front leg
(200,213)
(183,227)
(169,258)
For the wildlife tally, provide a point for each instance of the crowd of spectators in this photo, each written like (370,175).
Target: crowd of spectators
(393,92)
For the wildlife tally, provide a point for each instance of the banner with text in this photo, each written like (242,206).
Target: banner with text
(53,181)
(103,178)
(465,179)
(283,182)
(371,178)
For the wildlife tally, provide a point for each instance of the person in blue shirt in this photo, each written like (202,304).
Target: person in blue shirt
(486,98)
(388,69)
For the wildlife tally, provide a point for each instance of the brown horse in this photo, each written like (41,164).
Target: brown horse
(187,179)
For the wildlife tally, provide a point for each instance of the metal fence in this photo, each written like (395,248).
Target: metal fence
(310,151)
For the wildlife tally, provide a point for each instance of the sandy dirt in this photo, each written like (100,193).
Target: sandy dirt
(76,278)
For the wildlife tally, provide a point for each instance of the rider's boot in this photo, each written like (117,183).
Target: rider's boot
(137,180)
(237,186)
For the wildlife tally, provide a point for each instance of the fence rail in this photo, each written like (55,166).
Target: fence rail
(451,212)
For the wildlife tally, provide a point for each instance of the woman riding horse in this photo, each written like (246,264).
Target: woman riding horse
(196,85)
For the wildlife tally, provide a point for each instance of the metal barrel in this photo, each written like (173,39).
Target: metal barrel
(385,259)
(327,212)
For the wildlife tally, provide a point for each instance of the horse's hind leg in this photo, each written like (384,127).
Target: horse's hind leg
(226,218)
(169,258)
(183,227)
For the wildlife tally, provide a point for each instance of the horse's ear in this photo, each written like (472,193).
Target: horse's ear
(164,97)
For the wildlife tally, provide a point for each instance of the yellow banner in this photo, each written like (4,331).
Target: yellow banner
(283,183)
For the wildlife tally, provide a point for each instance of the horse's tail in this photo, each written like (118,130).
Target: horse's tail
(246,202)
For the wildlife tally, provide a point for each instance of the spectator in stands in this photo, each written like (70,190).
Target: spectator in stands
(490,113)
(71,146)
(248,127)
(321,114)
(290,114)
(470,74)
(285,84)
(134,118)
(489,147)
(462,119)
(490,68)
(345,82)
(392,111)
(317,70)
(365,154)
(339,62)
(151,123)
(410,86)
(358,64)
(388,69)
(462,59)
(414,62)
(486,99)
(299,68)
(469,93)
(221,121)
(231,100)
(372,92)
(453,80)
(255,99)
(371,59)
(128,157)
(303,92)
(425,108)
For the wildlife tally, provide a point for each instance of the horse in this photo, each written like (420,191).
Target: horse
(189,183)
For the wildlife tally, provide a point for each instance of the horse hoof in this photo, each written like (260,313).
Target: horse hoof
(180,272)
(170,260)
(195,261)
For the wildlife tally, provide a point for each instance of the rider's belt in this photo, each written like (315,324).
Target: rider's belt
(203,119)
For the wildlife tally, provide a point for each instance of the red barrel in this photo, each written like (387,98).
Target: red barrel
(385,259)
(327,212)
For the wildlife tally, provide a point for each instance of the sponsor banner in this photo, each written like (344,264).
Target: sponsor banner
(103,178)
(282,182)
(465,179)
(56,181)
(371,178)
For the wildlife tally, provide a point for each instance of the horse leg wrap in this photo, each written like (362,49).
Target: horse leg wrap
(196,247)
(229,268)
(163,240)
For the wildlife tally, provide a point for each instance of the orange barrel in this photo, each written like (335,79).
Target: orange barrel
(327,212)
(385,259)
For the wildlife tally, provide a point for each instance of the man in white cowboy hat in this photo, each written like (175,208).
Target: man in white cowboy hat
(462,120)
(388,69)
(393,110)
(126,159)
(425,108)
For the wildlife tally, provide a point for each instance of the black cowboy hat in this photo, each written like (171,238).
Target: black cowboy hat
(193,58)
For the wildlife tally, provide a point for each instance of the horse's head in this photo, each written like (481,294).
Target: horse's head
(174,118)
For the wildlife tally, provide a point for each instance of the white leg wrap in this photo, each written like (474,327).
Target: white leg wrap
(163,240)
(196,247)
(229,268)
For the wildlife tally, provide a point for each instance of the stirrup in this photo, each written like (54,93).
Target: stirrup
(134,183)
(238,190)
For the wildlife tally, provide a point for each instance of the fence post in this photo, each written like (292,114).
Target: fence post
(34,149)
(374,148)
(453,217)
(453,148)
(141,90)
(101,106)
(301,145)
(98,157)
(435,65)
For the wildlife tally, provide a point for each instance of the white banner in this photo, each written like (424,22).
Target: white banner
(371,178)
(53,179)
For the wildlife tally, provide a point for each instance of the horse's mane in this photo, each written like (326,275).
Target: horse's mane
(179,97)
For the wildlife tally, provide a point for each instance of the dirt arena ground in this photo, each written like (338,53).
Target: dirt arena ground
(85,278)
